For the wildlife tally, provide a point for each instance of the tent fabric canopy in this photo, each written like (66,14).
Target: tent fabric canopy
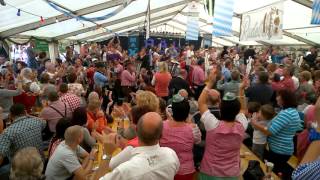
(166,16)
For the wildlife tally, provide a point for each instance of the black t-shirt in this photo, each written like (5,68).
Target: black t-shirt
(310,59)
(261,93)
(176,84)
(144,62)
(247,54)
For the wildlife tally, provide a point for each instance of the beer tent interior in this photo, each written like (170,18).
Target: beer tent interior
(166,15)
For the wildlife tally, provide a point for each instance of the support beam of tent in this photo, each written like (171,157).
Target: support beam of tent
(180,29)
(131,25)
(218,43)
(233,42)
(53,51)
(172,14)
(200,30)
(306,3)
(128,18)
(131,29)
(157,24)
(60,18)
(298,38)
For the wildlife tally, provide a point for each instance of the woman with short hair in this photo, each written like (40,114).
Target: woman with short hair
(180,136)
(221,158)
(281,131)
(96,117)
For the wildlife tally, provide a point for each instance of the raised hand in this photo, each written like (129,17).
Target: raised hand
(212,77)
(109,141)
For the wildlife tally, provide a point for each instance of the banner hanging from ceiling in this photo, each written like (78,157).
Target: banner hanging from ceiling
(133,45)
(192,22)
(262,24)
(222,18)
(315,19)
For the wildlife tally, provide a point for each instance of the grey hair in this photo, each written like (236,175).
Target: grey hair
(27,164)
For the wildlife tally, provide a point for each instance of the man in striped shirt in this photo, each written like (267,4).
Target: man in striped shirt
(309,167)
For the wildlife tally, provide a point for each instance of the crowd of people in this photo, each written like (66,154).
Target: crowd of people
(178,113)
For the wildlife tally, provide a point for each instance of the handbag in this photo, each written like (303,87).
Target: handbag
(254,171)
(46,133)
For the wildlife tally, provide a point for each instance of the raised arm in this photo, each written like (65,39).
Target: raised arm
(220,85)
(208,119)
(317,111)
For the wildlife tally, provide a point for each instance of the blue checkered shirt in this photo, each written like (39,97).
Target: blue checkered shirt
(307,171)
(24,132)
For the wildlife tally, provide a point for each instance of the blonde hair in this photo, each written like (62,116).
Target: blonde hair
(163,67)
(147,98)
(26,73)
(72,134)
(26,165)
(93,101)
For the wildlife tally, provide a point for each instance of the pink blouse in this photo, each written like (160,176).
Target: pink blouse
(222,154)
(181,140)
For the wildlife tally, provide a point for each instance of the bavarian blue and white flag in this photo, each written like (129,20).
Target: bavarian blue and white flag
(192,22)
(315,12)
(222,18)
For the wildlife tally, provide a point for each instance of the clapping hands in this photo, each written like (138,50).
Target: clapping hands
(110,141)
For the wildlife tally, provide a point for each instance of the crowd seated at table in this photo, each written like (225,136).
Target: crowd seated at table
(103,114)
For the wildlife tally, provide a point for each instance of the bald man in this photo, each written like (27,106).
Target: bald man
(64,162)
(148,161)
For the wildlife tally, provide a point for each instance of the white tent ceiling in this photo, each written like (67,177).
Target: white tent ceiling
(166,15)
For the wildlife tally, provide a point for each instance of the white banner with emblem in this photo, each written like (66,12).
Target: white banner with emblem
(262,24)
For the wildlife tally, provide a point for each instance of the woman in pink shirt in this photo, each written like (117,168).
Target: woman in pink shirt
(180,136)
(221,158)
(161,81)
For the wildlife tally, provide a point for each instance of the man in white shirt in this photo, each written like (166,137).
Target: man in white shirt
(148,161)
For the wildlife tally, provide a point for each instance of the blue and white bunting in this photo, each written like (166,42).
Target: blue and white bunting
(315,19)
(222,18)
(192,28)
(192,22)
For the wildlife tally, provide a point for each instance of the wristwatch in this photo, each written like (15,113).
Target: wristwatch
(106,157)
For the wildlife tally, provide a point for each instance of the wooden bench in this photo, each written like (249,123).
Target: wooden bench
(293,162)
(251,156)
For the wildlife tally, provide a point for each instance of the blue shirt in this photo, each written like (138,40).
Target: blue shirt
(24,132)
(226,73)
(307,171)
(283,127)
(100,79)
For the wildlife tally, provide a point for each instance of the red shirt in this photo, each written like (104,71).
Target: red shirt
(71,99)
(27,100)
(133,142)
(162,84)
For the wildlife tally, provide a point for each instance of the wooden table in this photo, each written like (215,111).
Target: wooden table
(245,161)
